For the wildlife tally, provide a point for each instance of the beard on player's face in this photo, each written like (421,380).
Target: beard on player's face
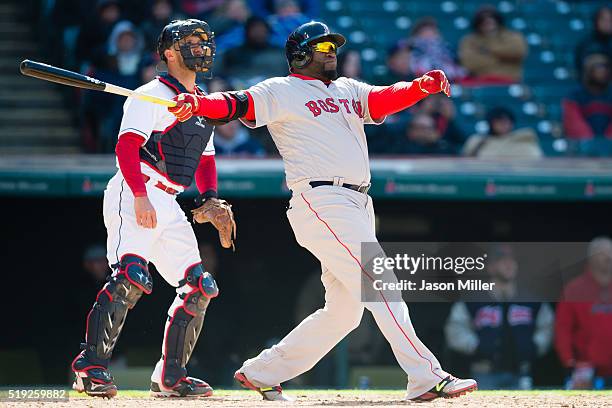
(330,74)
(326,70)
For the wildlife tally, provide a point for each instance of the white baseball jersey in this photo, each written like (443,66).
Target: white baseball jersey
(317,128)
(171,245)
(145,118)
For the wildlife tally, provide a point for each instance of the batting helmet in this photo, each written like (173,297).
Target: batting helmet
(298,46)
(177,30)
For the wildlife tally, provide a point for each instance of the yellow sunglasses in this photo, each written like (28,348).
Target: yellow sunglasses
(325,47)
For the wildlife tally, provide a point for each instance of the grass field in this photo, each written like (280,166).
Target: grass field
(335,398)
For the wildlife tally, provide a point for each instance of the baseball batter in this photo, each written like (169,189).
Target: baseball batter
(157,158)
(317,122)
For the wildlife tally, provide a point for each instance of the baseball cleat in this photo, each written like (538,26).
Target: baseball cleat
(269,393)
(93,380)
(186,387)
(450,387)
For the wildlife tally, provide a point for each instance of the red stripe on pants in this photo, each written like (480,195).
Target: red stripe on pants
(372,279)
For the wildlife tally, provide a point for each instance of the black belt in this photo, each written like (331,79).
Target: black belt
(362,189)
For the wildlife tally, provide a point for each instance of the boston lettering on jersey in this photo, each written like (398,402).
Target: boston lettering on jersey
(330,105)
(176,151)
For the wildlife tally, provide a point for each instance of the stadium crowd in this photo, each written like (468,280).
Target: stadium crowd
(115,41)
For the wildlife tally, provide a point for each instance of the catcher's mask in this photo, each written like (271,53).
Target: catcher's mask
(197,57)
(299,45)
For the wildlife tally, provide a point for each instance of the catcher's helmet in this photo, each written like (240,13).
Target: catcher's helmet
(176,30)
(298,46)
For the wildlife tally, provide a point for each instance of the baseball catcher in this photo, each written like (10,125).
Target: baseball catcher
(158,157)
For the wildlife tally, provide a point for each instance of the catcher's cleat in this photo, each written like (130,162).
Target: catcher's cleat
(450,387)
(186,387)
(269,393)
(93,380)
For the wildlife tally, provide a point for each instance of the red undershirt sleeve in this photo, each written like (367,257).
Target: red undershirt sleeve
(128,156)
(250,114)
(206,176)
(216,106)
(387,100)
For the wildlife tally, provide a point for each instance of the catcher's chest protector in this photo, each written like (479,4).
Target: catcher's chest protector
(176,151)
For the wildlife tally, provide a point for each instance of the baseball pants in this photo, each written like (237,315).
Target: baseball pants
(171,246)
(332,222)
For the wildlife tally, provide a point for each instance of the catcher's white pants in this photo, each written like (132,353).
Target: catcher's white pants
(171,246)
(332,222)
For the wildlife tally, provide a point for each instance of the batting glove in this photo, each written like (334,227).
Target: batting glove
(186,106)
(433,82)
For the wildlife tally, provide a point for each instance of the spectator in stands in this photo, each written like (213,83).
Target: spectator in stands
(383,139)
(423,137)
(492,54)
(125,48)
(257,58)
(61,26)
(501,335)
(122,66)
(96,264)
(95,267)
(92,42)
(443,112)
(264,8)
(200,9)
(399,61)
(228,24)
(583,331)
(599,41)
(503,140)
(286,18)
(431,51)
(162,12)
(148,67)
(233,139)
(349,64)
(217,84)
(135,11)
(587,112)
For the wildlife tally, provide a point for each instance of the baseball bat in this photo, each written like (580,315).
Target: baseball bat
(65,77)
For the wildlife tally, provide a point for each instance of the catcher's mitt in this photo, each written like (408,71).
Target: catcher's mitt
(218,213)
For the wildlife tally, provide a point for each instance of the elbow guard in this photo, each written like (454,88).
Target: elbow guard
(237,106)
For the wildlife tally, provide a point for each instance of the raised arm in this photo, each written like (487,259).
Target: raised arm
(387,100)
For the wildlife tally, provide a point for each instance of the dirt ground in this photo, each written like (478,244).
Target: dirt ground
(337,399)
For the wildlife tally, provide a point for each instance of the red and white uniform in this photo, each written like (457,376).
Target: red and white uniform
(172,245)
(318,129)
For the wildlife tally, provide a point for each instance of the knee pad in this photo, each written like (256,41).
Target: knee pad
(203,288)
(106,318)
(132,280)
(185,323)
